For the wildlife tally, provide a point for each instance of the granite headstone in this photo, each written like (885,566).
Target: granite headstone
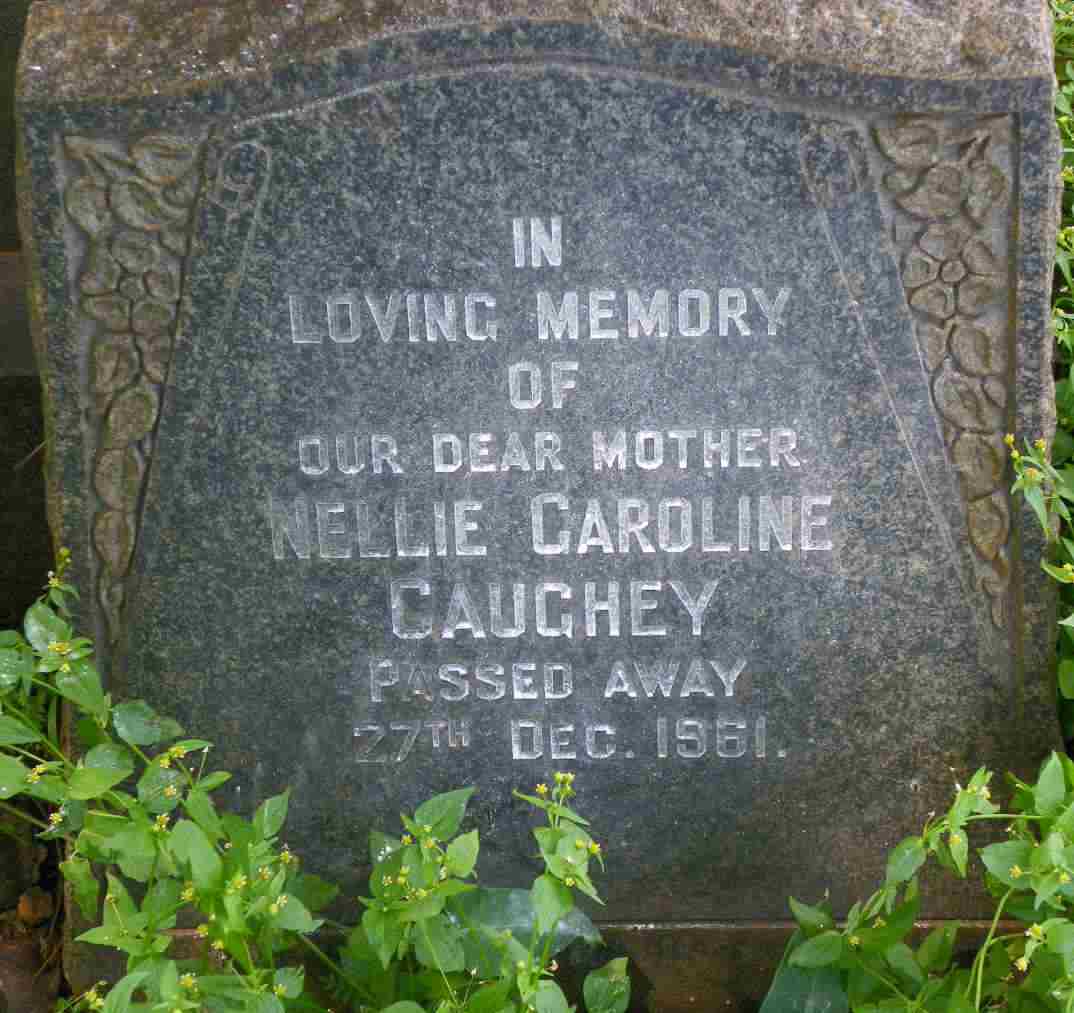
(452,393)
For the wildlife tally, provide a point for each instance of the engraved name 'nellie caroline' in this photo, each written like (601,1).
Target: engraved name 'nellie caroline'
(455,616)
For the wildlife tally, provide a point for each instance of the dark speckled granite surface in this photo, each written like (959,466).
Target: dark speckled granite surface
(800,265)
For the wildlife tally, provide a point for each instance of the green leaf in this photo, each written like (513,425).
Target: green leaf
(213,781)
(820,951)
(550,998)
(102,768)
(119,998)
(934,954)
(136,722)
(292,979)
(437,945)
(805,990)
(82,686)
(1050,789)
(812,919)
(15,665)
(495,910)
(152,784)
(12,777)
(901,959)
(313,891)
(905,859)
(135,851)
(444,813)
(462,855)
(43,627)
(406,1006)
(551,901)
(1066,676)
(293,915)
(15,733)
(79,873)
(1000,859)
(270,815)
(199,807)
(607,989)
(190,845)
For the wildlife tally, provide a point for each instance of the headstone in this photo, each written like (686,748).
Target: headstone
(460,395)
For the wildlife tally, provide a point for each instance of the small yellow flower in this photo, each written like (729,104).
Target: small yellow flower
(237,884)
(55,819)
(404,871)
(521,965)
(264,872)
(286,857)
(986,794)
(60,647)
(188,892)
(161,824)
(1039,444)
(33,777)
(202,930)
(558,777)
(955,839)
(164,760)
(426,829)
(1015,455)
(422,893)
(879,923)
(171,791)
(1015,872)
(1032,475)
(65,667)
(1022,963)
(387,881)
(594,848)
(218,945)
(274,909)
(855,942)
(407,839)
(188,981)
(579,843)
(177,752)
(1009,439)
(1064,878)
(282,900)
(1035,932)
(542,789)
(569,881)
(279,990)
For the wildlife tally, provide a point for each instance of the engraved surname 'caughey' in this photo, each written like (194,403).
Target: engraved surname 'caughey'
(431,610)
(347,318)
(365,529)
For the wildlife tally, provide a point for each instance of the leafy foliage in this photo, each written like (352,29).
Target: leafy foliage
(137,807)
(867,965)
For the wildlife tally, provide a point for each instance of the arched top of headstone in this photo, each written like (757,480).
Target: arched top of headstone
(126,48)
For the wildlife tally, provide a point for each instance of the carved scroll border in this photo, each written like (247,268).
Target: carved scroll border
(949,199)
(134,205)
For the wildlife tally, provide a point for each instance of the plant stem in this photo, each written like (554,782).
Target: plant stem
(16,811)
(12,709)
(879,977)
(329,962)
(980,959)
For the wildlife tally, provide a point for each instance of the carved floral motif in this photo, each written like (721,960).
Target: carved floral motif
(134,206)
(949,196)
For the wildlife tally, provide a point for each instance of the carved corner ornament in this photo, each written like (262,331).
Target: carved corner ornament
(134,204)
(951,219)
